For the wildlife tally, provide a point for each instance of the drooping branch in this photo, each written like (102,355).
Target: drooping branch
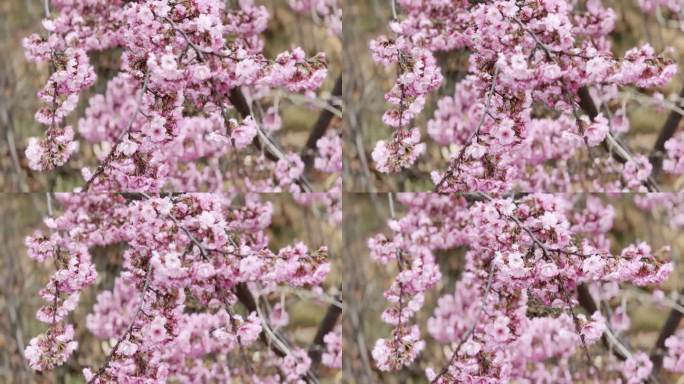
(326,326)
(585,299)
(668,329)
(129,329)
(609,340)
(262,141)
(615,148)
(471,330)
(238,100)
(666,132)
(247,299)
(101,167)
(475,134)
(587,302)
(268,335)
(321,125)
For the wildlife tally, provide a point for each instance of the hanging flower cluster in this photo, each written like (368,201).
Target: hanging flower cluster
(190,106)
(537,95)
(515,306)
(192,301)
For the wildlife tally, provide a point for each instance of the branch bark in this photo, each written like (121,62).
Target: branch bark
(587,302)
(262,140)
(669,328)
(129,329)
(620,153)
(268,336)
(322,124)
(326,326)
(247,299)
(666,132)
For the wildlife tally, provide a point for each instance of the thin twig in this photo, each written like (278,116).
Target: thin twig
(321,125)
(471,330)
(273,151)
(326,326)
(476,133)
(130,326)
(119,139)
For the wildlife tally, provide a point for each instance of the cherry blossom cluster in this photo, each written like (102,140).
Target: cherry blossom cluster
(193,301)
(669,205)
(674,162)
(419,75)
(71,73)
(74,272)
(652,5)
(192,107)
(515,306)
(530,63)
(332,357)
(328,160)
(329,10)
(674,360)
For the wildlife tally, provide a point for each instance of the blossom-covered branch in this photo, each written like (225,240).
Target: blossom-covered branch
(537,132)
(167,120)
(174,312)
(513,309)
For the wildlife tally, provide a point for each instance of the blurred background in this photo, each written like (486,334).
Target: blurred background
(366,82)
(21,278)
(365,282)
(21,80)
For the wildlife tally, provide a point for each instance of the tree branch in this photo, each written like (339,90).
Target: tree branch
(321,125)
(587,302)
(100,169)
(471,330)
(262,141)
(669,328)
(616,149)
(326,326)
(128,331)
(268,336)
(666,132)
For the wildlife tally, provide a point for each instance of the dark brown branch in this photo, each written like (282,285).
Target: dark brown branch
(262,141)
(128,331)
(587,105)
(239,102)
(669,328)
(666,132)
(237,98)
(322,124)
(326,326)
(247,299)
(587,302)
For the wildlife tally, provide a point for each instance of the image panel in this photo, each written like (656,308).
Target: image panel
(526,288)
(190,96)
(177,288)
(499,96)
